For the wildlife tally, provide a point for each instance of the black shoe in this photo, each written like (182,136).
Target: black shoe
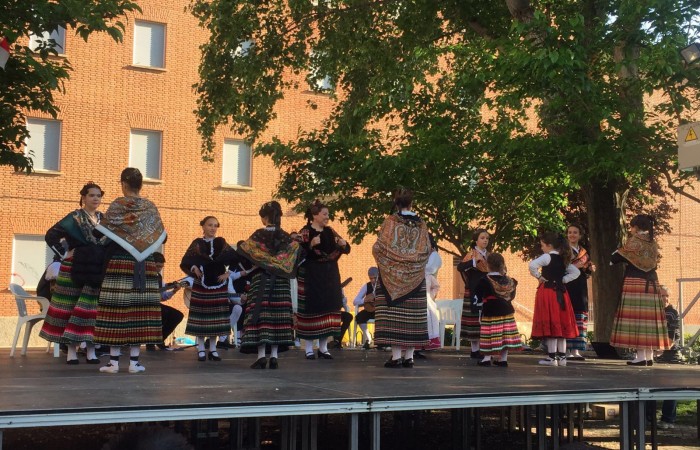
(576,358)
(273,363)
(259,364)
(162,346)
(150,347)
(484,363)
(102,351)
(394,363)
(476,355)
(91,361)
(224,344)
(500,363)
(201,356)
(366,345)
(72,362)
(638,363)
(408,363)
(214,356)
(419,355)
(324,355)
(310,355)
(650,363)
(63,347)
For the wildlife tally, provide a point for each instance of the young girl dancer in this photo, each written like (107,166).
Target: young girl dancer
(578,292)
(473,268)
(554,320)
(499,332)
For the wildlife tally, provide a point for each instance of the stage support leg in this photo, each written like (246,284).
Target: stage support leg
(309,432)
(477,428)
(556,422)
(570,409)
(654,434)
(353,432)
(512,418)
(288,432)
(624,426)
(641,425)
(697,414)
(527,424)
(0,439)
(541,427)
(581,417)
(375,431)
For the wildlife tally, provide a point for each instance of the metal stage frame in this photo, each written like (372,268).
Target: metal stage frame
(40,391)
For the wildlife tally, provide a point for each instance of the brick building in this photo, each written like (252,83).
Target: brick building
(131,104)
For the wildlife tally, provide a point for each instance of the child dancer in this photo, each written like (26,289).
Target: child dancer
(473,268)
(499,332)
(554,320)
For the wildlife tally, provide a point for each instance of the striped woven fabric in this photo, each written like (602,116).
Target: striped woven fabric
(314,326)
(640,321)
(72,312)
(404,324)
(209,313)
(499,333)
(549,319)
(579,342)
(126,316)
(275,323)
(471,328)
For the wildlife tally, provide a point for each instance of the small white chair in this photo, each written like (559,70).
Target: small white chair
(21,297)
(353,338)
(450,314)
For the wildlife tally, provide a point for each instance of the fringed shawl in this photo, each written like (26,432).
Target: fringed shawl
(640,251)
(402,251)
(79,226)
(479,258)
(503,287)
(134,223)
(581,260)
(281,262)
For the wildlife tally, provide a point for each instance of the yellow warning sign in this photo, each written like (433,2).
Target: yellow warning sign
(691,136)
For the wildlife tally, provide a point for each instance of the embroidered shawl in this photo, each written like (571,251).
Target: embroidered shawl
(581,260)
(476,255)
(640,251)
(328,250)
(402,251)
(134,223)
(504,287)
(79,226)
(282,262)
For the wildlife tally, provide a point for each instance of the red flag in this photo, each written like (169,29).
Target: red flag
(4,52)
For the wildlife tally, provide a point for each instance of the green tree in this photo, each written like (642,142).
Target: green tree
(494,111)
(32,78)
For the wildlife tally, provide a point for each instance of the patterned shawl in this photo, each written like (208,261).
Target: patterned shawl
(328,250)
(640,251)
(402,251)
(282,262)
(479,258)
(581,261)
(134,224)
(79,226)
(504,287)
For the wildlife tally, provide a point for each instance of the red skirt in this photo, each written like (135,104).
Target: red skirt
(550,319)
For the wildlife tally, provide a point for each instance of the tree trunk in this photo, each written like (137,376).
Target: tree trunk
(605,208)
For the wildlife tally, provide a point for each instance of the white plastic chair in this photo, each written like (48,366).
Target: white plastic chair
(450,314)
(354,326)
(21,297)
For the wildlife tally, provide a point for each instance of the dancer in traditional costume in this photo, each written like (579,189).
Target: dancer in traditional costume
(70,318)
(206,261)
(640,321)
(499,331)
(401,251)
(268,315)
(553,320)
(432,287)
(472,269)
(578,292)
(320,294)
(128,311)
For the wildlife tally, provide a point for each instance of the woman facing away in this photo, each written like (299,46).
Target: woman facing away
(640,321)
(402,251)
(128,311)
(71,316)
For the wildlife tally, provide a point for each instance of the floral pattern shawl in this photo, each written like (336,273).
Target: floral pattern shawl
(477,256)
(582,260)
(641,251)
(282,262)
(503,287)
(134,223)
(79,226)
(402,251)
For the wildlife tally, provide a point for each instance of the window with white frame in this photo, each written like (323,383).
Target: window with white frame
(237,163)
(149,44)
(43,145)
(30,257)
(58,35)
(145,151)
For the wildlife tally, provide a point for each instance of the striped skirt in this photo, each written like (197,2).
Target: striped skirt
(314,326)
(404,324)
(549,319)
(640,321)
(126,316)
(72,312)
(275,320)
(209,312)
(579,342)
(499,333)
(471,327)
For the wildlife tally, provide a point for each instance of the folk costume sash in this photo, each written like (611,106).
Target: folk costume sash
(79,226)
(135,225)
(640,251)
(401,251)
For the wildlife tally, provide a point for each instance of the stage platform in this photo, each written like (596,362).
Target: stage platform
(40,390)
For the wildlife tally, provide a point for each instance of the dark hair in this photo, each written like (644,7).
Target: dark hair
(476,234)
(577,226)
(132,176)
(203,221)
(272,211)
(560,244)
(141,437)
(158,258)
(496,263)
(89,185)
(313,210)
(403,198)
(644,222)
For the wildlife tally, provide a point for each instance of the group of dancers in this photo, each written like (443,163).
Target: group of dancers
(109,289)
